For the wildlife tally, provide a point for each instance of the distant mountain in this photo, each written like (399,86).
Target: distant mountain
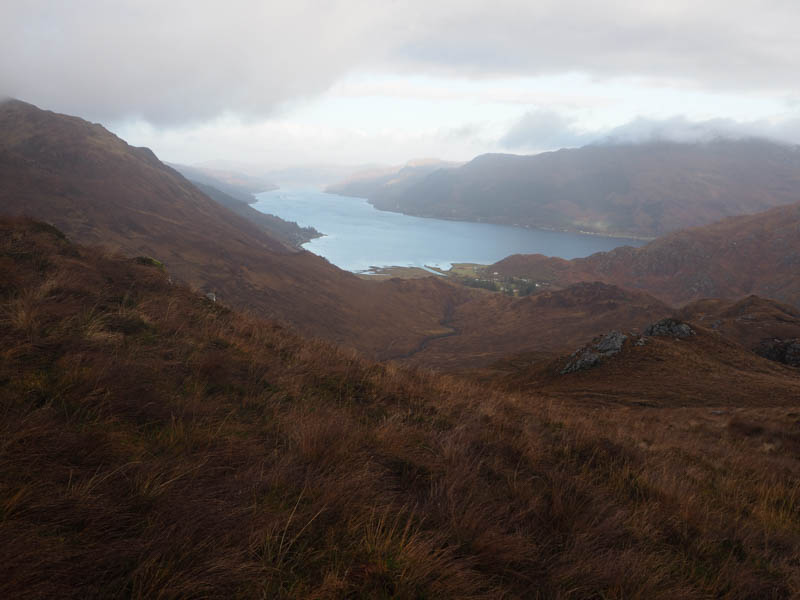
(316,176)
(235,184)
(380,183)
(754,254)
(292,176)
(643,190)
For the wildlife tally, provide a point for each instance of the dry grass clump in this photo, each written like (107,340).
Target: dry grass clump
(157,445)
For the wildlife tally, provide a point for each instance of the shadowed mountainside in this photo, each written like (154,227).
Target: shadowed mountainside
(157,444)
(754,254)
(643,190)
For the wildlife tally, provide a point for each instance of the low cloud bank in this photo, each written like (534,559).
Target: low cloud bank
(547,130)
(681,130)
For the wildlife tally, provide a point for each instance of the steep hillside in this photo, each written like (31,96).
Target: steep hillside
(99,190)
(642,190)
(156,444)
(755,254)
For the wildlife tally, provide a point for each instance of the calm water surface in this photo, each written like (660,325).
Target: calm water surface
(358,236)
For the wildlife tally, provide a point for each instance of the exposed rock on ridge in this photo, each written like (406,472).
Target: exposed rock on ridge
(600,348)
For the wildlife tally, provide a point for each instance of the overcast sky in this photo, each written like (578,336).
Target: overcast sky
(278,83)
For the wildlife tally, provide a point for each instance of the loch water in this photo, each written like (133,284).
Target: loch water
(358,236)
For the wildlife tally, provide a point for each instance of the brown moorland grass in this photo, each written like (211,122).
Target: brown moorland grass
(154,444)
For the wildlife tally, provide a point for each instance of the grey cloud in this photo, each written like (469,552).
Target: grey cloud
(464,132)
(181,61)
(543,130)
(741,45)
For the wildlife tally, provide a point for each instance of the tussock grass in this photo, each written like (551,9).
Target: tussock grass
(156,445)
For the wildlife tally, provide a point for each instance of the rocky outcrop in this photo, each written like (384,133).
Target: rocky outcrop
(600,349)
(783,351)
(608,345)
(669,328)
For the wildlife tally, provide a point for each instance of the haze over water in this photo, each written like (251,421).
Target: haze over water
(358,236)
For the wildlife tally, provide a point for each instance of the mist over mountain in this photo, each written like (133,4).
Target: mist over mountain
(233,183)
(381,181)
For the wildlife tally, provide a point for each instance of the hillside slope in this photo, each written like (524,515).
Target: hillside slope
(643,190)
(664,370)
(752,322)
(754,254)
(156,444)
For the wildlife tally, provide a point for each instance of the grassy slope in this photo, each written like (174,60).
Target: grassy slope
(155,444)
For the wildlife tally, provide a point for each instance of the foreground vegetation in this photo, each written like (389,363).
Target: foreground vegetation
(155,444)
